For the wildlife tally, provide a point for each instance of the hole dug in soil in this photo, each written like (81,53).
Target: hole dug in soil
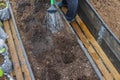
(50,74)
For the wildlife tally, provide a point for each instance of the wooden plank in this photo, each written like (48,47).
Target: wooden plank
(92,52)
(13,53)
(20,53)
(101,53)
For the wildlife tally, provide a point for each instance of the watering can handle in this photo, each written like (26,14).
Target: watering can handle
(52,2)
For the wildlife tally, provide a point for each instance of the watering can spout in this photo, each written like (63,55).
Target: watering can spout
(52,8)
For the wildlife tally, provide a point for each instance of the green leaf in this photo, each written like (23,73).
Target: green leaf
(1,73)
(2,50)
(1,24)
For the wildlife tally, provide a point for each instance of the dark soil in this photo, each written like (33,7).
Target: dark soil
(1,59)
(109,10)
(3,78)
(52,56)
(1,62)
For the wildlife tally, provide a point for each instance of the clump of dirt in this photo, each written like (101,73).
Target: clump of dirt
(109,10)
(52,56)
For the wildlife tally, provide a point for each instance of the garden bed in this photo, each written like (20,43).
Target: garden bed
(55,56)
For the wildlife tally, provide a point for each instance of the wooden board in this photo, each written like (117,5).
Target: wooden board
(92,52)
(20,69)
(99,50)
(13,52)
(100,31)
(20,53)
(104,64)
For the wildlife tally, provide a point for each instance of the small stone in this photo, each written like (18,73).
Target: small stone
(38,68)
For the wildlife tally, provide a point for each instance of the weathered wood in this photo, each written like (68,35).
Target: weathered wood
(20,53)
(92,52)
(113,72)
(12,50)
(95,23)
(100,52)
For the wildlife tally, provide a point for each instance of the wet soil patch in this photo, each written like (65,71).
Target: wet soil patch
(53,56)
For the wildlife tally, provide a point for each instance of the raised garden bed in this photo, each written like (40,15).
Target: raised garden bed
(55,56)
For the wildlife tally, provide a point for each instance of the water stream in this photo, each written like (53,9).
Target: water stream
(54,22)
